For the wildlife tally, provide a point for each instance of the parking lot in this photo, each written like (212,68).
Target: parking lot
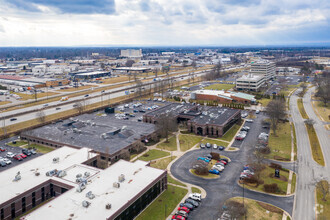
(14,150)
(226,186)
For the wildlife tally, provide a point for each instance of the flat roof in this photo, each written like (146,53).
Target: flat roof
(131,68)
(103,134)
(42,164)
(69,205)
(251,77)
(215,115)
(174,108)
(91,73)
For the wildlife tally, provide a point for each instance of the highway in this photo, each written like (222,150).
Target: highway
(309,172)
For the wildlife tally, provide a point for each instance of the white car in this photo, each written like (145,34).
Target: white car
(218,167)
(7,161)
(249,120)
(10,155)
(215,146)
(258,111)
(195,196)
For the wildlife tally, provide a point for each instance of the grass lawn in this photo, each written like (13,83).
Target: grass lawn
(132,156)
(264,102)
(315,146)
(211,141)
(293,183)
(31,96)
(280,145)
(173,181)
(4,102)
(188,141)
(326,205)
(230,134)
(220,86)
(162,163)
(40,148)
(170,145)
(321,110)
(162,206)
(195,190)
(18,143)
(302,109)
(208,176)
(288,91)
(72,89)
(294,141)
(259,210)
(153,154)
(267,176)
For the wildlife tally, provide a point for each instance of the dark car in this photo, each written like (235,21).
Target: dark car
(221,147)
(26,152)
(86,95)
(143,111)
(58,108)
(188,205)
(3,163)
(193,202)
(13,119)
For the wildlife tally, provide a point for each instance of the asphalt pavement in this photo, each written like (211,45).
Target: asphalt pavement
(225,187)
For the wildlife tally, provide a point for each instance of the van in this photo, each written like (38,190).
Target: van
(195,196)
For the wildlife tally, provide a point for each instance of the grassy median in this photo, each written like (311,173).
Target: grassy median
(162,206)
(323,207)
(315,145)
(302,109)
(280,144)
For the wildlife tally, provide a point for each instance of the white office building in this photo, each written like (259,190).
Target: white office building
(250,82)
(131,53)
(264,68)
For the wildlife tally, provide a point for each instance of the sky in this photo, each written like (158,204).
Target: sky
(164,22)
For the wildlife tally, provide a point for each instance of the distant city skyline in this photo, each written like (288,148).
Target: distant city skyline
(164,23)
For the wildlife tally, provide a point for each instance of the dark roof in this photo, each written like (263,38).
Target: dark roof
(174,108)
(101,133)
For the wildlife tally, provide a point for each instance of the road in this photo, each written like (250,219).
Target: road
(219,190)
(309,172)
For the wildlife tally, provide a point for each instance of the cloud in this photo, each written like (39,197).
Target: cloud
(67,6)
(2,29)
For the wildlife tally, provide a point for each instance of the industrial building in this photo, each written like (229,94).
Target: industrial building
(66,187)
(111,138)
(32,81)
(130,70)
(250,82)
(90,75)
(201,120)
(223,96)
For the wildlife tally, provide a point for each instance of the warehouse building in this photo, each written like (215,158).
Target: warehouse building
(223,96)
(66,187)
(109,137)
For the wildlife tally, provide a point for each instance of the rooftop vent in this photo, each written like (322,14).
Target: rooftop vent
(85,204)
(81,187)
(121,178)
(90,195)
(86,174)
(116,184)
(108,206)
(56,159)
(17,177)
(78,175)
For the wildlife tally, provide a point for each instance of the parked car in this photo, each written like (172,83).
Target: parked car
(224,162)
(58,108)
(23,156)
(188,205)
(26,152)
(203,159)
(2,149)
(202,146)
(13,119)
(215,146)
(221,147)
(249,120)
(185,209)
(7,161)
(225,159)
(208,145)
(258,111)
(245,128)
(214,171)
(3,163)
(18,157)
(195,196)
(208,156)
(220,163)
(178,217)
(10,155)
(182,213)
(33,151)
(193,202)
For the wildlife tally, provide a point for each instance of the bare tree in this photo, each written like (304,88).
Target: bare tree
(276,111)
(79,107)
(166,123)
(200,167)
(235,209)
(139,85)
(41,116)
(323,186)
(129,63)
(303,86)
(309,122)
(323,91)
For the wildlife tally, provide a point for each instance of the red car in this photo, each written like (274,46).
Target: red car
(224,162)
(18,157)
(183,208)
(2,149)
(23,155)
(178,217)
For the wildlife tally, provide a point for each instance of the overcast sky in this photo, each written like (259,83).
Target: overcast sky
(164,22)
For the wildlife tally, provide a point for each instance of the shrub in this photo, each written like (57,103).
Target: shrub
(275,166)
(271,188)
(215,156)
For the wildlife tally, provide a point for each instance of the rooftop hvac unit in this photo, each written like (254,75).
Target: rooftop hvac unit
(116,184)
(86,174)
(81,187)
(78,175)
(61,173)
(121,178)
(17,177)
(108,206)
(56,159)
(90,195)
(85,204)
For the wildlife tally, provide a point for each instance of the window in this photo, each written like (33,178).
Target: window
(23,205)
(2,214)
(33,199)
(52,190)
(13,212)
(43,194)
